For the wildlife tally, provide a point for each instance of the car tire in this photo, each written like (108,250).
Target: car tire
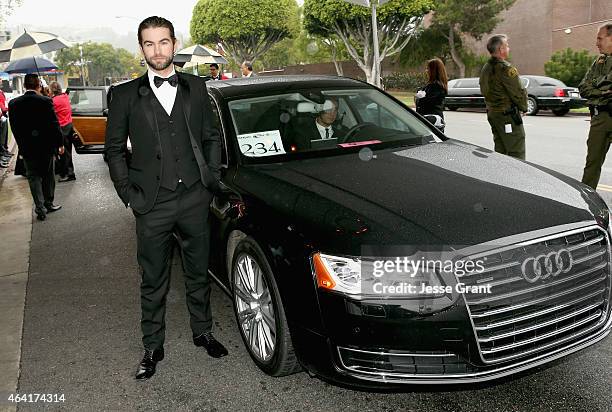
(258,308)
(532,106)
(560,112)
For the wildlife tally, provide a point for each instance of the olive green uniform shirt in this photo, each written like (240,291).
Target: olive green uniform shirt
(597,81)
(501,87)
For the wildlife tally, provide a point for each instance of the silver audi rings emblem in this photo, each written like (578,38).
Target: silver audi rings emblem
(543,266)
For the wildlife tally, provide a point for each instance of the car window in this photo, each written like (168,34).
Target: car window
(217,123)
(318,121)
(468,83)
(86,100)
(550,82)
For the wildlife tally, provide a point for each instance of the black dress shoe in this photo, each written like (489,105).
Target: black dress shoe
(146,369)
(66,179)
(41,216)
(52,208)
(212,345)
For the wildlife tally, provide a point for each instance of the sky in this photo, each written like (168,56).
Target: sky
(96,13)
(112,21)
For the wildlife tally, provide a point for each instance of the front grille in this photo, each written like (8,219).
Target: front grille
(398,363)
(521,318)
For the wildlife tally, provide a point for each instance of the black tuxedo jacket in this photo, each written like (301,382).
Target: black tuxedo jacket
(35,126)
(304,129)
(131,114)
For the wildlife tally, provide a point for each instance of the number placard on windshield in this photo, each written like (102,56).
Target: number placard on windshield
(261,144)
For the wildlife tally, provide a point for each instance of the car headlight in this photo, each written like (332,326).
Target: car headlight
(344,275)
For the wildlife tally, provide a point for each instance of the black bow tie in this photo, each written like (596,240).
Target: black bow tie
(172,80)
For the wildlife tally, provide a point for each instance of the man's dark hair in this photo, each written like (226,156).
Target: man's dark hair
(608,27)
(153,22)
(248,65)
(495,42)
(215,65)
(31,81)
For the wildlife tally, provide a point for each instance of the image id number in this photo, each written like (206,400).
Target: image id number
(37,397)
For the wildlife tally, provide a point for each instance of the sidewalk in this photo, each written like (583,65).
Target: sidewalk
(16,229)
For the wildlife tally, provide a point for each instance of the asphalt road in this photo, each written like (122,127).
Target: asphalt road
(81,333)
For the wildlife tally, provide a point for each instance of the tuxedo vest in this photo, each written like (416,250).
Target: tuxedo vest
(178,160)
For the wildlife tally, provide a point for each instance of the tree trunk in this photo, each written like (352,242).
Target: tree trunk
(334,55)
(454,54)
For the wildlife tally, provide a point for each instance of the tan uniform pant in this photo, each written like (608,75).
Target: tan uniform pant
(598,143)
(509,143)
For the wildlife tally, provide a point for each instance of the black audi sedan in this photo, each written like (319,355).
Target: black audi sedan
(339,202)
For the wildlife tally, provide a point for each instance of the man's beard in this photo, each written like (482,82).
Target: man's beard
(160,66)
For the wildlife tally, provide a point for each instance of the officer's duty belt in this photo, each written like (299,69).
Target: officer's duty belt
(595,110)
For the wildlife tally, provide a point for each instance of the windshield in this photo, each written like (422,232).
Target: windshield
(322,122)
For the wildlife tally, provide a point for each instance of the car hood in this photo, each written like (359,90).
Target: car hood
(449,193)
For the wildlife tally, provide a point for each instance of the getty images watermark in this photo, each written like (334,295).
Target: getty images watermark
(418,273)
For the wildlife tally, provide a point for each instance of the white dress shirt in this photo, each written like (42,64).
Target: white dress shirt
(322,131)
(165,93)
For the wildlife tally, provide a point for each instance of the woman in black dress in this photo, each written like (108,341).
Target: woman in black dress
(430,99)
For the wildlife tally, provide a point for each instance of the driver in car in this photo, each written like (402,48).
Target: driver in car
(320,130)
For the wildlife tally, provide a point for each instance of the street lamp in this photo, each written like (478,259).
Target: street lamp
(373,4)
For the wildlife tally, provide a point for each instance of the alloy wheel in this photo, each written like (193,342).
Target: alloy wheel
(254,307)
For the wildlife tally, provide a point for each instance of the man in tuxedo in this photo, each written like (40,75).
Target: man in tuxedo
(214,72)
(38,135)
(324,126)
(168,182)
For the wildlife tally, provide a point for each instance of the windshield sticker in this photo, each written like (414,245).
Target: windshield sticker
(261,144)
(353,144)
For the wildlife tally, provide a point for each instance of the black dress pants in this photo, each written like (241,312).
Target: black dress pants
(41,178)
(185,211)
(65,167)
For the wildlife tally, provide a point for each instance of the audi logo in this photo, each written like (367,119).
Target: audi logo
(543,266)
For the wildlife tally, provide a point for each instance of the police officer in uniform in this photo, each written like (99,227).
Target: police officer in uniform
(596,87)
(505,98)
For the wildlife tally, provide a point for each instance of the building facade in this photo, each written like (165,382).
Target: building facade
(539,28)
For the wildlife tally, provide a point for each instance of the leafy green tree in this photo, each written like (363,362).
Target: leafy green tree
(569,65)
(305,49)
(424,45)
(397,21)
(246,29)
(102,61)
(454,18)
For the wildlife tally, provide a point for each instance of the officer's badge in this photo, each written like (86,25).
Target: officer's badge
(512,72)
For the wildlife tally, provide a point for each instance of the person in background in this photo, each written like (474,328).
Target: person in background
(430,99)
(596,87)
(39,137)
(215,74)
(61,104)
(5,154)
(505,98)
(247,69)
